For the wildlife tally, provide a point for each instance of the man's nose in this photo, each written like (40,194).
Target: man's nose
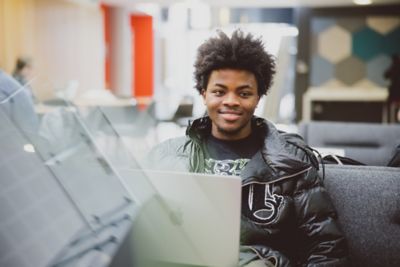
(231,99)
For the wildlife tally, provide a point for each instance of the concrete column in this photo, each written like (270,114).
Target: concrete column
(120,52)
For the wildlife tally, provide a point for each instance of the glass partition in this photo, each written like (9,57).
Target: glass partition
(57,178)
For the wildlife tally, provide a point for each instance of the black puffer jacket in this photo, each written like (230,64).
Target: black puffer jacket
(287,216)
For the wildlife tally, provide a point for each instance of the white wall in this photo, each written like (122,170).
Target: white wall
(68,45)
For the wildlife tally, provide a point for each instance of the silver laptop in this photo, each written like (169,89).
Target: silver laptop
(186,218)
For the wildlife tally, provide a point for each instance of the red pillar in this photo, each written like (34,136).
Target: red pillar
(107,39)
(143,55)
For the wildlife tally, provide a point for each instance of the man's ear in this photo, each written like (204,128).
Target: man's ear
(203,94)
(258,100)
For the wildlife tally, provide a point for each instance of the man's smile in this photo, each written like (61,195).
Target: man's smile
(230,115)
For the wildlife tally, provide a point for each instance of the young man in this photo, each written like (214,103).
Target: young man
(287,216)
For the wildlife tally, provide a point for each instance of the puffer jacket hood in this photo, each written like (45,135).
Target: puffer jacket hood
(281,156)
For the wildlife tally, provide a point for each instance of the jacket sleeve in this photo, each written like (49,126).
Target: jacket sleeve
(317,222)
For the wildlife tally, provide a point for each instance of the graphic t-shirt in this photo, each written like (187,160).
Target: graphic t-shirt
(229,157)
(259,204)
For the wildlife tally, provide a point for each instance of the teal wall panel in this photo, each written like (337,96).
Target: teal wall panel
(367,43)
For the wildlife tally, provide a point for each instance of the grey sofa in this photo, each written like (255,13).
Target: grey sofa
(370,143)
(368,203)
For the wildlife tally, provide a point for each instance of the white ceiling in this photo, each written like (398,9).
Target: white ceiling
(254,3)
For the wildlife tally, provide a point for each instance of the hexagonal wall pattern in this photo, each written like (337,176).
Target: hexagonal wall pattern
(334,44)
(367,43)
(383,25)
(376,69)
(320,24)
(350,70)
(372,41)
(351,24)
(322,70)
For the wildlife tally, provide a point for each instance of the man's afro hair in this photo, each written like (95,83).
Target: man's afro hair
(242,52)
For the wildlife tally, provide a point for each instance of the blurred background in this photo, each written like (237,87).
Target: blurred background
(145,50)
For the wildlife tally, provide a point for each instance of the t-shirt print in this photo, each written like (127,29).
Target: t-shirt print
(226,166)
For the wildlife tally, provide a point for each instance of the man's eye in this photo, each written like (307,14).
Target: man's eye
(218,92)
(245,94)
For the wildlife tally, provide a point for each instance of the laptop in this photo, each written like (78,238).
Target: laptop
(186,219)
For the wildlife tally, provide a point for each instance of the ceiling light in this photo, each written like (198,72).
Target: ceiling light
(362,2)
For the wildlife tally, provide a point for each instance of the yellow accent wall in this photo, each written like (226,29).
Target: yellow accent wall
(64,38)
(16,31)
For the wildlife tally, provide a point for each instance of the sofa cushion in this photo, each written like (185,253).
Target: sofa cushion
(370,143)
(368,203)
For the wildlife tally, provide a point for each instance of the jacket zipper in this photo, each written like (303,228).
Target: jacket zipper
(256,251)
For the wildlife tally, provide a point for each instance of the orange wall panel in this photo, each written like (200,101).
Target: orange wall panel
(143,70)
(107,39)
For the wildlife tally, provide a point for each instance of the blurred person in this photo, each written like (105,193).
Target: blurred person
(393,74)
(23,72)
(287,215)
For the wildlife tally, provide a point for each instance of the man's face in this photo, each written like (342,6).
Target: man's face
(231,97)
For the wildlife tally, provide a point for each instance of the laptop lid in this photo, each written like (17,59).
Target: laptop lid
(186,218)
